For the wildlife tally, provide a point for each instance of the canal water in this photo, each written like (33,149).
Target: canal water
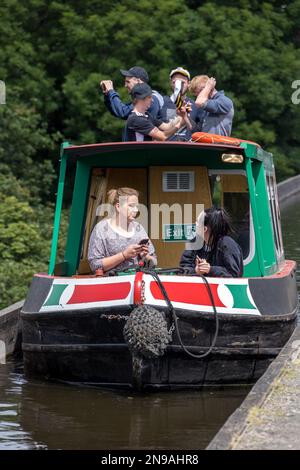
(36,414)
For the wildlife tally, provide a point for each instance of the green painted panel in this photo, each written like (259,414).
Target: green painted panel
(264,217)
(57,290)
(257,228)
(252,269)
(250,149)
(240,296)
(57,215)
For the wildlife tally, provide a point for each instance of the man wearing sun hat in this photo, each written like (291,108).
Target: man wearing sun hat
(132,77)
(183,75)
(179,81)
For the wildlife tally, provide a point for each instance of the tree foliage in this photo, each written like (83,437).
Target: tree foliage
(25,236)
(53,55)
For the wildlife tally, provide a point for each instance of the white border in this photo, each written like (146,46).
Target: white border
(71,283)
(150,300)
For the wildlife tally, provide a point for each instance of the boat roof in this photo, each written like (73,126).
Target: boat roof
(91,149)
(80,151)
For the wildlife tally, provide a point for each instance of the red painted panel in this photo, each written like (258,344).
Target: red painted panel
(99,292)
(137,296)
(188,293)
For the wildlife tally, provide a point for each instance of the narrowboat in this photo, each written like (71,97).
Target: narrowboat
(162,328)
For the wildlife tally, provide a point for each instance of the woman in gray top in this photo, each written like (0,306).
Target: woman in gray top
(116,242)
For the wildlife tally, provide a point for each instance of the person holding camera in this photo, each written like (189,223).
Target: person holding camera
(120,241)
(132,77)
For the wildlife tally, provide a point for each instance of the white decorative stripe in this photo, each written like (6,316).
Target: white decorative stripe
(221,282)
(224,293)
(83,306)
(95,280)
(226,296)
(72,283)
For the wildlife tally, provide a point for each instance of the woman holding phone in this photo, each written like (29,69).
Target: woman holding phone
(220,255)
(120,241)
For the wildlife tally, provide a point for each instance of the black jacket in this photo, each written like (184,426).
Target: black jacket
(225,261)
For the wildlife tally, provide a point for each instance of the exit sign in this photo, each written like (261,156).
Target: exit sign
(179,232)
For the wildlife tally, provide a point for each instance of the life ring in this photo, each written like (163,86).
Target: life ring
(204,137)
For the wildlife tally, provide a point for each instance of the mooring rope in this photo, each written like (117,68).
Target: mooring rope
(175,318)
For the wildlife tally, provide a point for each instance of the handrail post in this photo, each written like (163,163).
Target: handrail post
(253,198)
(58,207)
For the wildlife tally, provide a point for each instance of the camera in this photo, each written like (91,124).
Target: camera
(102,84)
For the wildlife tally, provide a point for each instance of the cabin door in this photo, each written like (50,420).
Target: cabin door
(181,189)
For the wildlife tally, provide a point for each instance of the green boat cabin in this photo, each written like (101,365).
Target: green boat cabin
(241,179)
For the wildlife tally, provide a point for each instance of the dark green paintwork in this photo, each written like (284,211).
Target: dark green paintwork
(240,296)
(264,219)
(264,262)
(57,290)
(59,200)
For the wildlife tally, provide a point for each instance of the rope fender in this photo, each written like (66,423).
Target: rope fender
(146,332)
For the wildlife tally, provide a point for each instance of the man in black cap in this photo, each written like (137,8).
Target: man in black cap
(133,76)
(141,126)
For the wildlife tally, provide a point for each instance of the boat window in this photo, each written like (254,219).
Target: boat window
(275,214)
(230,190)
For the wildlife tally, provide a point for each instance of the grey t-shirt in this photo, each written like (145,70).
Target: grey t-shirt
(105,241)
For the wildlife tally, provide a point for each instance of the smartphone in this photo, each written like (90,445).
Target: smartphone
(145,241)
(102,84)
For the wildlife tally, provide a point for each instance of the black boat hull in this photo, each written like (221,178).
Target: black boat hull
(88,347)
(73,329)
